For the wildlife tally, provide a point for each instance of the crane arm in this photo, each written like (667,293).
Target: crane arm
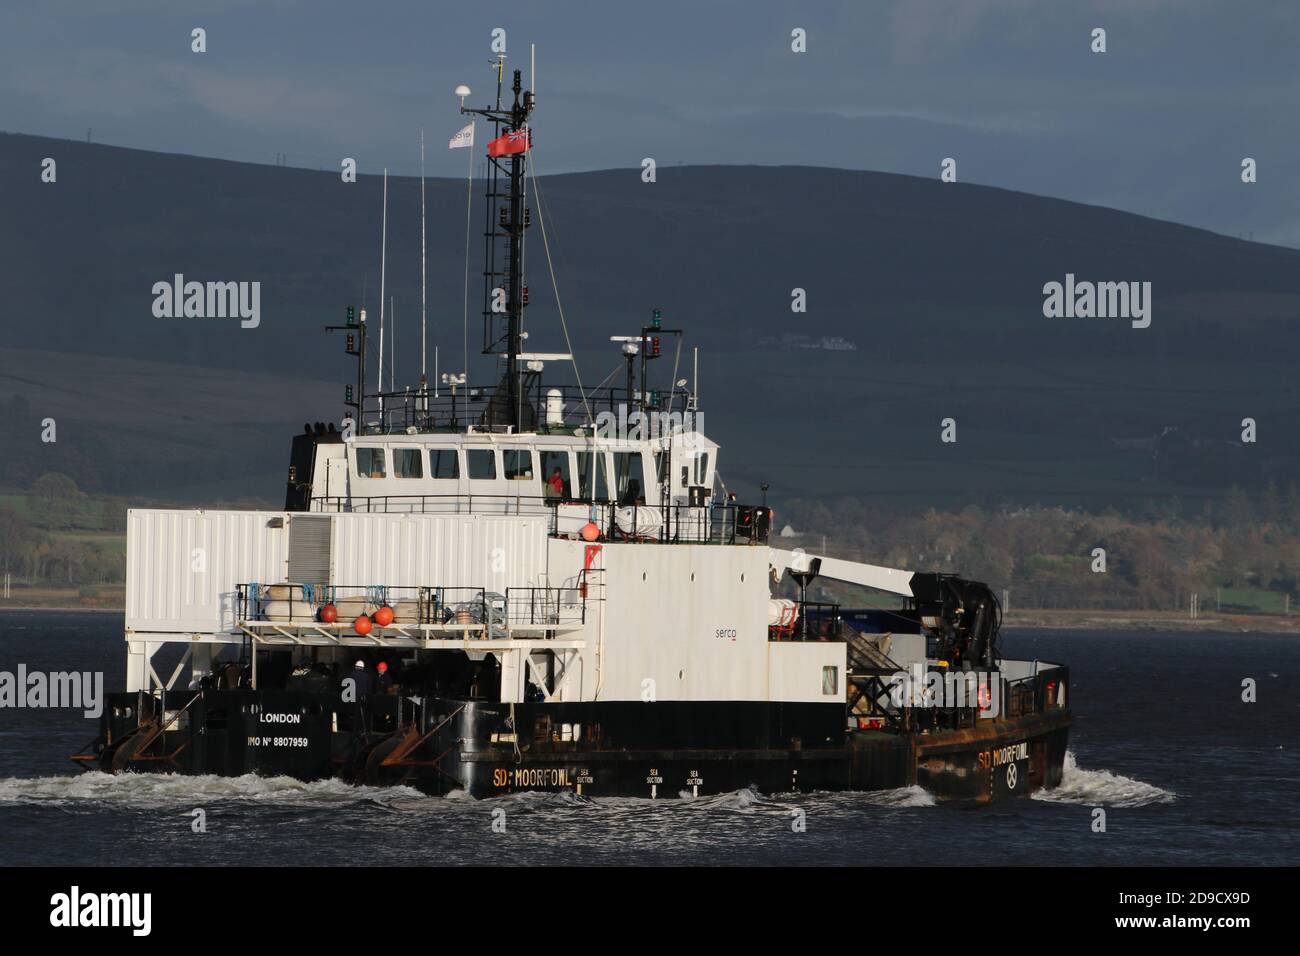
(850,572)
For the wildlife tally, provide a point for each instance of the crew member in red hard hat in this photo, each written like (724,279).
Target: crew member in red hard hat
(385,680)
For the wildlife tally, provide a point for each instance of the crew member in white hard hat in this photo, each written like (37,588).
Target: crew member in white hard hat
(363,680)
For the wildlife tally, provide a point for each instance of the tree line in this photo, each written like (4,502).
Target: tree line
(40,542)
(1153,558)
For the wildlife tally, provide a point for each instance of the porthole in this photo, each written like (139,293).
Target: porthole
(642,575)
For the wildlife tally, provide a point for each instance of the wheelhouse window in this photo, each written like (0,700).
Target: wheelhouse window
(444,463)
(701,467)
(586,474)
(696,469)
(555,474)
(370,463)
(517,463)
(481,463)
(629,477)
(408,463)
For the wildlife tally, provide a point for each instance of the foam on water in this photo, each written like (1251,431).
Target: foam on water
(1102,788)
(540,799)
(744,800)
(155,791)
(749,800)
(913,796)
(152,791)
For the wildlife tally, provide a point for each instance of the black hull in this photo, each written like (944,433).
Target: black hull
(595,749)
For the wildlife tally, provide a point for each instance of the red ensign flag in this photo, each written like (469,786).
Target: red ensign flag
(517,142)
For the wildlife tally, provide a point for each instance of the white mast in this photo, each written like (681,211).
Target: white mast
(469,204)
(383,261)
(423,284)
(695,377)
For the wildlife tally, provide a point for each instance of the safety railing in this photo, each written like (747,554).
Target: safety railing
(676,523)
(412,605)
(1037,693)
(687,524)
(544,408)
(545,606)
(454,504)
(297,603)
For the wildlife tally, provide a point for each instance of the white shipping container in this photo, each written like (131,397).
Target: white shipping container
(183,566)
(433,550)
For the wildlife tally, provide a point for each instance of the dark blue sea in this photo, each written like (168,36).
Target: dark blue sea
(1185,772)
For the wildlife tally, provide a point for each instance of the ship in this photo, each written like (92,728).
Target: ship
(535,586)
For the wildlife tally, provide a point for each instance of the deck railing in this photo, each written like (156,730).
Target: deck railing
(415,605)
(729,523)
(475,405)
(813,621)
(1036,693)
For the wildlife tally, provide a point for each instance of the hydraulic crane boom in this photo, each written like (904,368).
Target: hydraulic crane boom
(850,572)
(964,615)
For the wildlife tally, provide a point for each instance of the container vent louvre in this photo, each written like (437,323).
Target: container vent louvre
(310,540)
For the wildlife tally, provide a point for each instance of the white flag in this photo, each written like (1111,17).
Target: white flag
(464,138)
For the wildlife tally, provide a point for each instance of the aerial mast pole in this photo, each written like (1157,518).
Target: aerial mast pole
(383,263)
(513,144)
(423,406)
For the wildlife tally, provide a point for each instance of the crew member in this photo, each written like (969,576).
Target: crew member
(364,681)
(556,483)
(384,682)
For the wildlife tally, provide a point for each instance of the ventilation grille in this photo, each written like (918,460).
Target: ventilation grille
(310,538)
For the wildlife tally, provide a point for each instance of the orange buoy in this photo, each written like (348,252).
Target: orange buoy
(361,625)
(329,614)
(384,616)
(590,531)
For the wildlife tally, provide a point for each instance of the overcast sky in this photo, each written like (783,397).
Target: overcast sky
(1158,124)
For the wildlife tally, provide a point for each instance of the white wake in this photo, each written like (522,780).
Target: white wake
(147,791)
(1102,788)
